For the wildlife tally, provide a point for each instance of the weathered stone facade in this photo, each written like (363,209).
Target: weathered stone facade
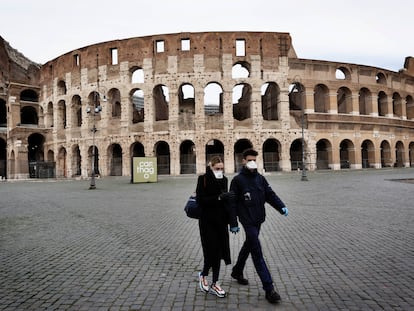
(183,97)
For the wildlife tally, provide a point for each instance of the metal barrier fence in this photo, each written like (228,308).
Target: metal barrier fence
(42,169)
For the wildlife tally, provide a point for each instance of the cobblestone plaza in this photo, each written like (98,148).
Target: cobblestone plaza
(347,244)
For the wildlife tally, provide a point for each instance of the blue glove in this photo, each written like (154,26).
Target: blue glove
(234,230)
(285,211)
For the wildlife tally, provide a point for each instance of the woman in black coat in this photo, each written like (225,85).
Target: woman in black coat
(217,214)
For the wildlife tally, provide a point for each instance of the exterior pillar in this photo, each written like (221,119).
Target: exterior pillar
(374,105)
(333,103)
(336,159)
(309,104)
(355,104)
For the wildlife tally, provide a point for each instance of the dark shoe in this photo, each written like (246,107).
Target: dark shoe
(240,279)
(272,296)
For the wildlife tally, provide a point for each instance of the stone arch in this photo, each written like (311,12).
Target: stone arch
(213,98)
(386,157)
(380,78)
(94,102)
(242,101)
(61,165)
(367,154)
(344,100)
(187,157)
(186,98)
(35,147)
(29,95)
(397,105)
(271,155)
(114,101)
(346,154)
(365,101)
(240,70)
(61,88)
(214,147)
(323,154)
(115,160)
(28,115)
(160,95)
(49,115)
(342,73)
(297,96)
(399,154)
(137,75)
(162,152)
(239,147)
(295,152)
(321,98)
(382,104)
(137,150)
(76,109)
(61,114)
(137,102)
(93,160)
(76,161)
(270,101)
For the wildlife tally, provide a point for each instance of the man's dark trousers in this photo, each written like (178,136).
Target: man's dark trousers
(252,246)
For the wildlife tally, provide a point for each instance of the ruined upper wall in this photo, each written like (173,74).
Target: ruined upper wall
(212,45)
(409,66)
(15,67)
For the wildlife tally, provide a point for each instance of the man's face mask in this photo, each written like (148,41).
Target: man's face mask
(251,165)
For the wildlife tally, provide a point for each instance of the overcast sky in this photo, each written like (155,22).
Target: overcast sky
(377,33)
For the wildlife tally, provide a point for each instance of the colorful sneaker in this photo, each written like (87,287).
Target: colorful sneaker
(215,289)
(202,281)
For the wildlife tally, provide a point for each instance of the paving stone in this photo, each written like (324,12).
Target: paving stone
(347,244)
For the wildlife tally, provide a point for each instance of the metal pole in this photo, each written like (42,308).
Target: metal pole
(304,177)
(93,184)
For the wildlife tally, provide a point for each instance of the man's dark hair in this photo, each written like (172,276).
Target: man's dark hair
(249,152)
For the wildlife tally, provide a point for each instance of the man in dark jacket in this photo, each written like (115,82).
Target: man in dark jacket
(252,191)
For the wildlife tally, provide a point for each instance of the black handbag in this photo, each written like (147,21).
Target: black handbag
(191,208)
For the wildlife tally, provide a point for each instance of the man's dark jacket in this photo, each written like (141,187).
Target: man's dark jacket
(252,192)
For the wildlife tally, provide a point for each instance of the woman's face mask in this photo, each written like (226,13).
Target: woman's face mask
(218,174)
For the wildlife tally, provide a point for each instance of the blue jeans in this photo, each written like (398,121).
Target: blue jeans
(252,246)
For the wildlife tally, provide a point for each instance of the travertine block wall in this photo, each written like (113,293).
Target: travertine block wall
(340,133)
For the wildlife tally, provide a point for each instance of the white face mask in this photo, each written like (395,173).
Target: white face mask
(252,165)
(218,174)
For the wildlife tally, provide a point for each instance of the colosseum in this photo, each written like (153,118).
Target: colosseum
(181,98)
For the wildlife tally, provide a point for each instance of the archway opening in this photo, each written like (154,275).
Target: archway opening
(187,157)
(271,155)
(239,147)
(162,152)
(214,148)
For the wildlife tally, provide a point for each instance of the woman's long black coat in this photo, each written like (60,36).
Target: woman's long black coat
(215,217)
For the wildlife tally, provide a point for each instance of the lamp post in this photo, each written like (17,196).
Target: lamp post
(304,176)
(97,109)
(297,88)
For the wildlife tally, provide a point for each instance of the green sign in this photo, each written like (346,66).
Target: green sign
(144,169)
